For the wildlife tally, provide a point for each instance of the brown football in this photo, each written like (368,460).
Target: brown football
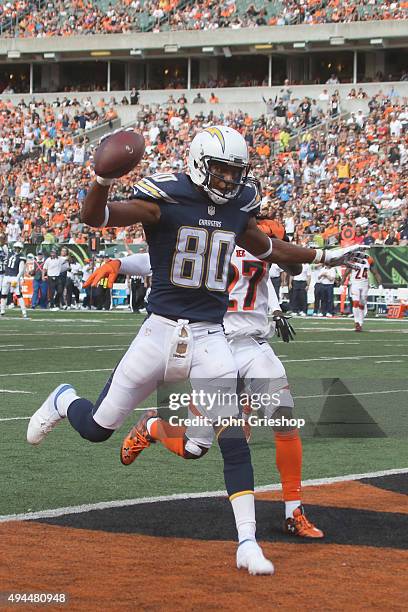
(118,154)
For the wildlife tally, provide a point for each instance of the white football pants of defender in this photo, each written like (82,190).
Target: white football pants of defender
(359,294)
(142,369)
(262,373)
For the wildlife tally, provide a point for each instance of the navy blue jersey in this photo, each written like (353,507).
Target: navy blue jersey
(12,263)
(3,255)
(191,246)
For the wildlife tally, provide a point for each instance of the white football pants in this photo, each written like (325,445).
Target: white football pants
(142,369)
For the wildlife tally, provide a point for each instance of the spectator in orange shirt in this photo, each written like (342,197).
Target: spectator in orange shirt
(263,150)
(331,232)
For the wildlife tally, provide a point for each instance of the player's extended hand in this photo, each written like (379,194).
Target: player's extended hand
(349,256)
(13,284)
(284,329)
(109,270)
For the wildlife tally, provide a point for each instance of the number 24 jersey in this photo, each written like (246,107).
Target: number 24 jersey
(359,276)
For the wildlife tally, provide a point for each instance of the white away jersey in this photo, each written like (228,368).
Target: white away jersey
(359,277)
(249,294)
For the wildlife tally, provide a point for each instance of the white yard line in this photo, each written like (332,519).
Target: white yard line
(63,348)
(390,361)
(56,372)
(320,395)
(16,391)
(14,419)
(296,397)
(103,350)
(327,395)
(81,333)
(120,503)
(350,357)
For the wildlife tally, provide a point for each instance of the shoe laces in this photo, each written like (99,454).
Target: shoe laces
(138,443)
(303,523)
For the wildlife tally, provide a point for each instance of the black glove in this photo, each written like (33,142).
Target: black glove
(284,329)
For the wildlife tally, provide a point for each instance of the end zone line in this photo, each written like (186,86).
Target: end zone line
(52,513)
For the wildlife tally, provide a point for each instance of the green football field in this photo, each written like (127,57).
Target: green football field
(351,389)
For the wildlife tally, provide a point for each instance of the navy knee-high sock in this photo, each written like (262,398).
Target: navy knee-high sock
(238,472)
(80,415)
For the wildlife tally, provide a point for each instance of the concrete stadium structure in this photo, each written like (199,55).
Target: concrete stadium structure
(361,50)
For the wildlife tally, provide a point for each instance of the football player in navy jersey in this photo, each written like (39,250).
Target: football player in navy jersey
(14,264)
(3,255)
(192,222)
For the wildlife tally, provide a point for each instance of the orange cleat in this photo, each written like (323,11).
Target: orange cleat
(358,327)
(300,526)
(137,439)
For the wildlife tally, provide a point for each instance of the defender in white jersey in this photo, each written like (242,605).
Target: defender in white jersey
(248,328)
(359,285)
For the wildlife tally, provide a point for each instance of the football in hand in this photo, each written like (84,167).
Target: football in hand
(118,154)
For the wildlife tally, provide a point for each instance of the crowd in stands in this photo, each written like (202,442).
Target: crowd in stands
(320,173)
(74,17)
(11,12)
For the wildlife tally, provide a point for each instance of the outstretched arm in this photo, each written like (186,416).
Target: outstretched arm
(280,252)
(292,269)
(130,265)
(97,212)
(256,242)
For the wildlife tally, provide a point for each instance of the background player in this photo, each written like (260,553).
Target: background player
(3,255)
(359,285)
(14,264)
(192,222)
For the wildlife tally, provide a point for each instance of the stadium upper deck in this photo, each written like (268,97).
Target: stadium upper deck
(25,18)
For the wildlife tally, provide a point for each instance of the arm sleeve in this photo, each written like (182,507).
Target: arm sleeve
(21,269)
(273,301)
(134,265)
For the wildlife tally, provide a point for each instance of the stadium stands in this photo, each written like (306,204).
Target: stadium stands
(321,170)
(72,17)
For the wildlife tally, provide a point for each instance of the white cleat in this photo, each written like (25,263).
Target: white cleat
(47,416)
(251,557)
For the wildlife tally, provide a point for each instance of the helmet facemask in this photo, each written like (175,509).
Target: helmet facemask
(222,187)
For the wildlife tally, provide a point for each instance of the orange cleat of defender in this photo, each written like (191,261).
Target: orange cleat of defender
(300,526)
(137,439)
